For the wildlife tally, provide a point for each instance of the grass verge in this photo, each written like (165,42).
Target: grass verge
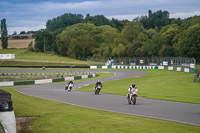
(157,84)
(197,66)
(54,117)
(23,57)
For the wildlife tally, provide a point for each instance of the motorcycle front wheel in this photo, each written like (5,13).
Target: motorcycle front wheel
(134,100)
(69,89)
(97,91)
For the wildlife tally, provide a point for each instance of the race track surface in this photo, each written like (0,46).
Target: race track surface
(159,109)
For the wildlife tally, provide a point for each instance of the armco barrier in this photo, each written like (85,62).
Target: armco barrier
(24,82)
(69,78)
(58,79)
(84,76)
(11,83)
(191,70)
(90,76)
(77,77)
(42,81)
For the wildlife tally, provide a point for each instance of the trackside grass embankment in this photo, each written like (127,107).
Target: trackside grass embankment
(157,84)
(54,117)
(23,57)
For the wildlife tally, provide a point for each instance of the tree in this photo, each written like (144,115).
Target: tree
(4,34)
(189,43)
(97,20)
(133,38)
(14,33)
(155,44)
(76,41)
(22,32)
(63,21)
(168,33)
(157,19)
(43,41)
(131,31)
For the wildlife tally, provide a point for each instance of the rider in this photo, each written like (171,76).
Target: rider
(98,83)
(70,82)
(131,89)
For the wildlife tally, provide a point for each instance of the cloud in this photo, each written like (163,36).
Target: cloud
(184,14)
(125,17)
(34,14)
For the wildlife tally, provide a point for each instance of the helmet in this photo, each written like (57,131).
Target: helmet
(98,81)
(133,85)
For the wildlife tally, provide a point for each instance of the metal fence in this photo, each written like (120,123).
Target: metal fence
(171,61)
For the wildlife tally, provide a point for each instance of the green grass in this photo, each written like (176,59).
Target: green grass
(54,117)
(24,54)
(100,75)
(157,84)
(197,66)
(25,57)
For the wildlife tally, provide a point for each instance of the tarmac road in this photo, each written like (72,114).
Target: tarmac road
(159,109)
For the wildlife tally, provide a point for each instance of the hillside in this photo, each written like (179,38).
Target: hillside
(23,57)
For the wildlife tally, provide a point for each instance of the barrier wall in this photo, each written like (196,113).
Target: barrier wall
(42,81)
(174,68)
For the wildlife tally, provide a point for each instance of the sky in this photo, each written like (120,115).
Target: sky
(32,15)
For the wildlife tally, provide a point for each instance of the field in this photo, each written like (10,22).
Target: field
(19,43)
(52,117)
(157,84)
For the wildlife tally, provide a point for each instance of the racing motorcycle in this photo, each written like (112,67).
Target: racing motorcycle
(132,97)
(97,89)
(69,87)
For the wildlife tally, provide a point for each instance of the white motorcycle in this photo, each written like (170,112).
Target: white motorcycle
(132,97)
(69,87)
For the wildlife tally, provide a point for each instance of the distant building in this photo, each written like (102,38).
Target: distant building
(21,36)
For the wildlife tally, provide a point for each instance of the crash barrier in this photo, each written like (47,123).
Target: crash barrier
(42,81)
(7,116)
(182,69)
(45,74)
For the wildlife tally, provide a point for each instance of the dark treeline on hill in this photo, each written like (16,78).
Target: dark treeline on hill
(155,34)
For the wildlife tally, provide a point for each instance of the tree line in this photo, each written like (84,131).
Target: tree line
(154,34)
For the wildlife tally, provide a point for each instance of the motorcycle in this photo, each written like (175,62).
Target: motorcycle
(132,97)
(69,87)
(97,89)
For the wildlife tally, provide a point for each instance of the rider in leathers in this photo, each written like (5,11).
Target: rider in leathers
(97,83)
(70,82)
(131,89)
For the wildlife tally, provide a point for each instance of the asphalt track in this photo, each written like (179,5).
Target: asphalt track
(158,109)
